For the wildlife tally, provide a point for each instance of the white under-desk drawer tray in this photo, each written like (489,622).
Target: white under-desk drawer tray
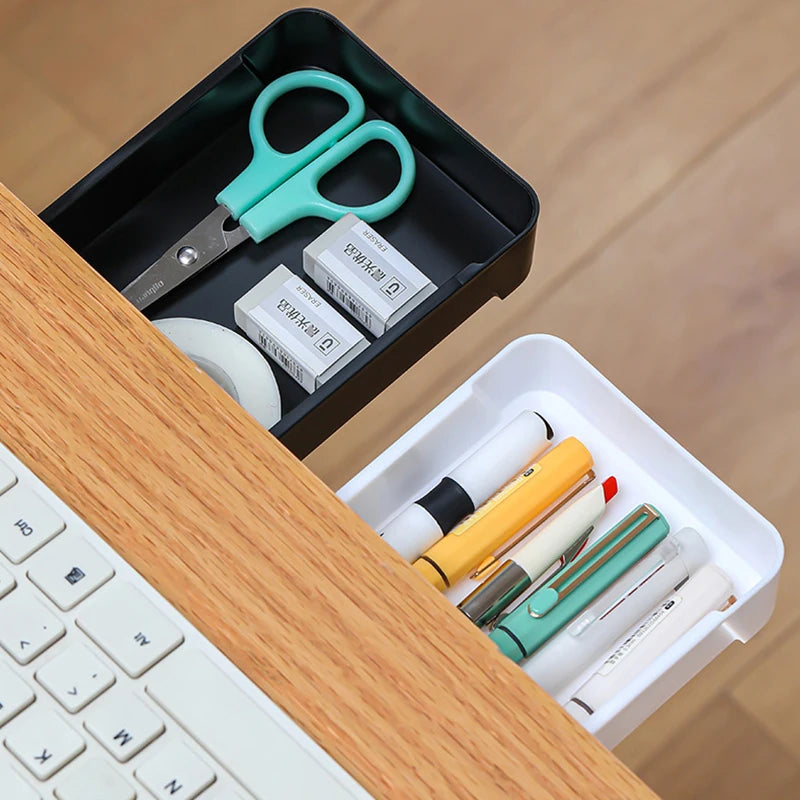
(544,374)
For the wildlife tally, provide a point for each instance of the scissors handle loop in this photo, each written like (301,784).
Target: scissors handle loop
(299,196)
(270,167)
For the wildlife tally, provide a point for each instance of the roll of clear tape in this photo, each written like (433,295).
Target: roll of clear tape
(230,361)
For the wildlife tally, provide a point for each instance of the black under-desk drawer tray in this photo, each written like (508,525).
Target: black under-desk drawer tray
(468,224)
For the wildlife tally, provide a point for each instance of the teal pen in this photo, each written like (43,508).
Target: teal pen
(523,631)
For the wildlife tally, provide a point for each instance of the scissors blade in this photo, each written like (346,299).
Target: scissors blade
(198,249)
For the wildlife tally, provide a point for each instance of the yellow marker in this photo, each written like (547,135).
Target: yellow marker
(511,509)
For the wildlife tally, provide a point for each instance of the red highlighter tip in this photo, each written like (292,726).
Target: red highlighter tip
(610,488)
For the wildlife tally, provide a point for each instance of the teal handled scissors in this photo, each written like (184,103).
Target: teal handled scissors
(276,189)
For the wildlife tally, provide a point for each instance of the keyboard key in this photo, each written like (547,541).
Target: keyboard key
(95,780)
(7,582)
(123,724)
(175,772)
(7,478)
(75,677)
(43,742)
(68,571)
(14,788)
(218,792)
(26,523)
(237,732)
(129,628)
(27,628)
(15,695)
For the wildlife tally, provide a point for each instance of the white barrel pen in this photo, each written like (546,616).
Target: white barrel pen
(707,590)
(468,485)
(589,635)
(555,538)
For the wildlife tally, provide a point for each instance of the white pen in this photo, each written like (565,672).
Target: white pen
(625,602)
(707,590)
(469,485)
(559,535)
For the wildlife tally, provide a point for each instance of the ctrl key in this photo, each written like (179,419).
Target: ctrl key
(13,787)
(26,523)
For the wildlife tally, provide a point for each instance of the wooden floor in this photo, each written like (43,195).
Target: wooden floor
(663,141)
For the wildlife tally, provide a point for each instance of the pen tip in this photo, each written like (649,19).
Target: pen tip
(610,488)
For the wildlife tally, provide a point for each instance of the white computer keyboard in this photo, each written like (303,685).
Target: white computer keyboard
(108,693)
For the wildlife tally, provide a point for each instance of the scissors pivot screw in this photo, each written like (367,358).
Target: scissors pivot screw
(187,256)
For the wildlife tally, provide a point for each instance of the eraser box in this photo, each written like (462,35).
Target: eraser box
(468,224)
(545,374)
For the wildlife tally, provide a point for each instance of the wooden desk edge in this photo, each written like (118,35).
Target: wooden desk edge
(336,628)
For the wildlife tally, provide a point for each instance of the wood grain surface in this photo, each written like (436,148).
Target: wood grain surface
(260,556)
(662,140)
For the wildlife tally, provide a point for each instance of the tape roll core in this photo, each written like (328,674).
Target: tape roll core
(230,361)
